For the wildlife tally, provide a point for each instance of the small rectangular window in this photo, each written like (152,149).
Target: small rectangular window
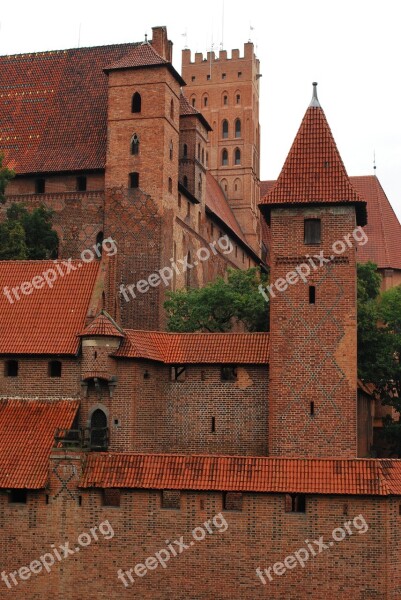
(178,373)
(111,497)
(134,180)
(171,499)
(239,74)
(312,231)
(223,75)
(312,408)
(213,425)
(229,373)
(295,503)
(11,368)
(18,496)
(208,77)
(193,78)
(232,501)
(40,185)
(312,294)
(55,368)
(81,183)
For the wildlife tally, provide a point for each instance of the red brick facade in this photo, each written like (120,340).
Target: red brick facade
(201,434)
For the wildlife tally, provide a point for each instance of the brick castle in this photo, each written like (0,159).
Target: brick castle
(106,417)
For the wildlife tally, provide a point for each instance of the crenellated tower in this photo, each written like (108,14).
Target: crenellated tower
(226,91)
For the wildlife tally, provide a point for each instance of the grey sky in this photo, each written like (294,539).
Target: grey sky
(352,48)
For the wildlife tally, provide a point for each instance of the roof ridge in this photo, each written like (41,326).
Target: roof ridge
(40,53)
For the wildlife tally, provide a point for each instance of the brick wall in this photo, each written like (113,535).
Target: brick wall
(33,380)
(314,358)
(222,565)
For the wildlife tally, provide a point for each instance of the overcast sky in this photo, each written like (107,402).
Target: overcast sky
(352,48)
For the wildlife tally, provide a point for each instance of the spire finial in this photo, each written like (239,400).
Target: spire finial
(146,38)
(315,102)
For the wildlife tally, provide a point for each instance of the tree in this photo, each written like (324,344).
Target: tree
(5,176)
(28,235)
(220,304)
(379,345)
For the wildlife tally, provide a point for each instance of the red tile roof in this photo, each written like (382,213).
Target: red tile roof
(143,55)
(180,348)
(27,430)
(53,108)
(217,203)
(102,325)
(243,473)
(313,171)
(383,228)
(49,319)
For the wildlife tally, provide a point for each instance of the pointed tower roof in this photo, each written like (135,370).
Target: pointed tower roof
(142,56)
(102,325)
(313,172)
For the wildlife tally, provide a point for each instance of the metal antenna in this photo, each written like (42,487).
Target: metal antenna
(222,27)
(374,161)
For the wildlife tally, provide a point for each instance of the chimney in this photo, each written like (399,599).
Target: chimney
(161,43)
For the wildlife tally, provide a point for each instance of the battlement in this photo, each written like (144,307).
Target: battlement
(222,56)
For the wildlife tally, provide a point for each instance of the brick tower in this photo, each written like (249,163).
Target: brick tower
(226,91)
(141,176)
(313,210)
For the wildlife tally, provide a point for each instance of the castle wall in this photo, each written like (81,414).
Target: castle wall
(365,564)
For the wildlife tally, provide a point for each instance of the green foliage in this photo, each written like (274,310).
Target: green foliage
(220,304)
(379,345)
(5,176)
(28,235)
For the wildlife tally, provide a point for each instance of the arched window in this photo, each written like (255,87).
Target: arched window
(238,128)
(171,149)
(224,158)
(185,181)
(238,99)
(224,185)
(55,368)
(193,101)
(224,128)
(237,156)
(170,185)
(200,182)
(225,99)
(135,144)
(98,430)
(172,109)
(136,103)
(199,151)
(205,100)
(203,156)
(185,150)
